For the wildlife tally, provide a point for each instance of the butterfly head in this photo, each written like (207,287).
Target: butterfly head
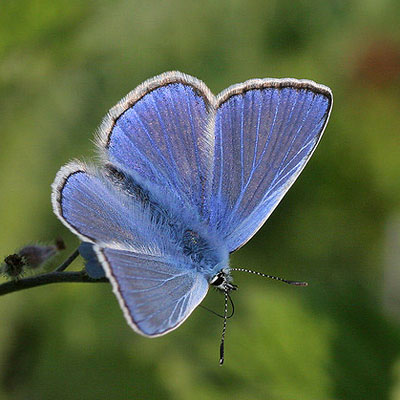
(223,281)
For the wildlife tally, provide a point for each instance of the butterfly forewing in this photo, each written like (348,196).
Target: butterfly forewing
(159,132)
(265,132)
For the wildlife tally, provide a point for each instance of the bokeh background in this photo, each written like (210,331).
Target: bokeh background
(64,63)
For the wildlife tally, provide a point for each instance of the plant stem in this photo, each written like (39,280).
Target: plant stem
(68,261)
(45,279)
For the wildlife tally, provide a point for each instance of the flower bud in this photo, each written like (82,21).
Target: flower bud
(30,257)
(13,266)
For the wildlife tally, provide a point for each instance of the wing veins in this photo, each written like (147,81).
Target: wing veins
(166,305)
(166,163)
(242,146)
(196,153)
(294,167)
(167,142)
(242,194)
(273,150)
(144,158)
(295,136)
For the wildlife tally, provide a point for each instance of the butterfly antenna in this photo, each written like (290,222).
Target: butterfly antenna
(221,347)
(295,283)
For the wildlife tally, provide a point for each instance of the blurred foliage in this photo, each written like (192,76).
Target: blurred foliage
(63,64)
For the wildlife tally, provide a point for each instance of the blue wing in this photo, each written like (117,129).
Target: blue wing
(97,211)
(156,285)
(265,132)
(158,131)
(156,294)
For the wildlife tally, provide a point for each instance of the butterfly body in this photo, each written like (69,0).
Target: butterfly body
(188,237)
(185,179)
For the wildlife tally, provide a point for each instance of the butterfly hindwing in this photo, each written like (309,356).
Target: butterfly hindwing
(156,286)
(156,294)
(265,132)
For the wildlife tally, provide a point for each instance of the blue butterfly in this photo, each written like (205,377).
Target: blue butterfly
(186,178)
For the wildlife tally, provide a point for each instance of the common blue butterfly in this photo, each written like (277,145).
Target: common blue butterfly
(185,179)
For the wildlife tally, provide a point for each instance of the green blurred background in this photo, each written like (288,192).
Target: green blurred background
(63,64)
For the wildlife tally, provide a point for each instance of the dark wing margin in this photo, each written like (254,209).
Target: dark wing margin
(68,171)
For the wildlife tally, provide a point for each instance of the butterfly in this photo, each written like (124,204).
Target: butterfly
(186,178)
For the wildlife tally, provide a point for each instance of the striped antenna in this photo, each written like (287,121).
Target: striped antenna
(295,283)
(221,347)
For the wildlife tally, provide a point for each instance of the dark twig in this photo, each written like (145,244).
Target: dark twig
(45,279)
(68,261)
